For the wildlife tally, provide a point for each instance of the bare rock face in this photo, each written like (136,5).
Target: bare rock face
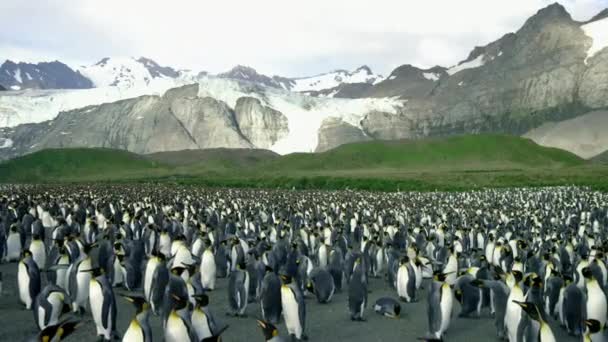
(584,135)
(261,125)
(335,132)
(147,124)
(386,126)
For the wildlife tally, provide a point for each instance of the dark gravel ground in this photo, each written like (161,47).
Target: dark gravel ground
(325,322)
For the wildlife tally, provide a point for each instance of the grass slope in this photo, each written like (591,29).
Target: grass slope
(471,152)
(455,163)
(74,164)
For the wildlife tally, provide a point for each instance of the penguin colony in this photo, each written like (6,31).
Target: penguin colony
(532,261)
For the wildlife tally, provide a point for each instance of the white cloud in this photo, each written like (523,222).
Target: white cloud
(274,36)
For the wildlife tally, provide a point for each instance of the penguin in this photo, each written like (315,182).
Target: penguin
(357,294)
(440,302)
(406,281)
(208,269)
(595,332)
(49,305)
(321,283)
(294,308)
(156,278)
(271,333)
(336,268)
(545,333)
(203,321)
(238,291)
(571,307)
(500,293)
(596,306)
(469,296)
(58,332)
(28,279)
(178,327)
(38,250)
(139,329)
(513,315)
(270,297)
(102,303)
(388,307)
(13,245)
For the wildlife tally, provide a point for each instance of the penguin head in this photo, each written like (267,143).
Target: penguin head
(138,301)
(405,260)
(202,300)
(458,296)
(178,270)
(587,273)
(269,330)
(439,276)
(26,253)
(310,287)
(179,302)
(59,331)
(286,279)
(518,276)
(531,309)
(593,325)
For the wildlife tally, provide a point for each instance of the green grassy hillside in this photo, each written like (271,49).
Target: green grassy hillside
(455,163)
(471,152)
(75,164)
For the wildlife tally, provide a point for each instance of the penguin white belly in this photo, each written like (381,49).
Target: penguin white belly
(82,281)
(38,254)
(447,301)
(23,280)
(596,303)
(96,300)
(200,324)
(13,247)
(546,335)
(118,276)
(291,312)
(451,269)
(61,279)
(402,280)
(176,330)
(208,270)
(513,313)
(149,274)
(418,275)
(134,333)
(323,256)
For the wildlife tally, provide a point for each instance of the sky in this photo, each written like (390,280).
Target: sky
(276,37)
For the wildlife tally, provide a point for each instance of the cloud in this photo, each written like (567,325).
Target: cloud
(291,38)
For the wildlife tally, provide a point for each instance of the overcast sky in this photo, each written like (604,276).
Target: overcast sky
(285,37)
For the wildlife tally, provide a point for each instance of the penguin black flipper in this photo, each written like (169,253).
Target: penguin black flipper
(46,306)
(434,310)
(301,308)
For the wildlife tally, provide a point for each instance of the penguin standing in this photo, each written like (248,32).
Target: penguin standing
(406,281)
(545,334)
(270,297)
(139,329)
(203,321)
(596,298)
(13,245)
(28,279)
(357,294)
(439,306)
(595,332)
(238,291)
(208,269)
(294,308)
(514,314)
(178,327)
(156,278)
(103,304)
(38,250)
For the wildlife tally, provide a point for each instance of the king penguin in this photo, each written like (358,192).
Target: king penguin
(208,269)
(49,305)
(139,329)
(28,279)
(596,298)
(271,333)
(238,290)
(270,297)
(178,327)
(103,304)
(439,306)
(294,308)
(388,307)
(544,334)
(357,294)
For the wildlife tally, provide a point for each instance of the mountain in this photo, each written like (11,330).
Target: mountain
(46,75)
(211,114)
(213,158)
(2,88)
(312,85)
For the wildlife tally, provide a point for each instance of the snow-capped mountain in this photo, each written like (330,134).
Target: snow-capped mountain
(45,75)
(311,84)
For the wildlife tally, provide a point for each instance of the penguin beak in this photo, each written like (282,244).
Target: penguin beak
(261,324)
